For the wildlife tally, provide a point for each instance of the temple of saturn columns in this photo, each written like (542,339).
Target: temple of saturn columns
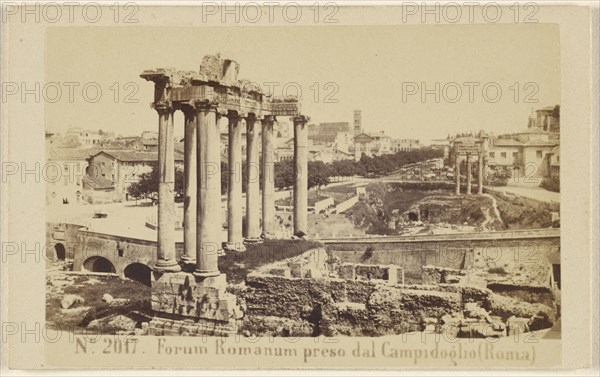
(469,148)
(193,286)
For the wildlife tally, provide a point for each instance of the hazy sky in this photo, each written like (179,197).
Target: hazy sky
(367,66)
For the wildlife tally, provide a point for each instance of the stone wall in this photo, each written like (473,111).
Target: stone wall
(118,250)
(63,234)
(526,293)
(357,299)
(458,253)
(343,206)
(346,307)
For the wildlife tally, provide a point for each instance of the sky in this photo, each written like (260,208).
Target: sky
(380,70)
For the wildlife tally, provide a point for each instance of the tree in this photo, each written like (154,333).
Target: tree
(318,176)
(284,174)
(147,185)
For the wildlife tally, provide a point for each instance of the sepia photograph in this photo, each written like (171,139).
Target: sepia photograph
(300,193)
(215,204)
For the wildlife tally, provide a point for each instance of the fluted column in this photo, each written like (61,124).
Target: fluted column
(189,184)
(234,186)
(457,171)
(252,181)
(166,256)
(208,233)
(268,177)
(300,174)
(469,175)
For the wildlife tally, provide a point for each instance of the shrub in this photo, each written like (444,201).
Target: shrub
(551,184)
(368,253)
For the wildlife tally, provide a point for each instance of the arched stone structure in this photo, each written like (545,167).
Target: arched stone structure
(138,272)
(99,264)
(60,252)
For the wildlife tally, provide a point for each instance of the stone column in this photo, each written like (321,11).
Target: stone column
(166,256)
(234,187)
(469,178)
(189,184)
(300,174)
(483,155)
(208,233)
(480,174)
(268,178)
(457,172)
(252,181)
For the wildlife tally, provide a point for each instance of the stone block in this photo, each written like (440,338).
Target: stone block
(185,295)
(296,270)
(346,271)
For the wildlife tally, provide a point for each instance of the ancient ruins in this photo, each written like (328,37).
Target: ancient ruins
(467,147)
(207,98)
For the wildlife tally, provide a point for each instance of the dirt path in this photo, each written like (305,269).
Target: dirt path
(489,219)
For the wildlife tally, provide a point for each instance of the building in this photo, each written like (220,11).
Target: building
(530,152)
(546,119)
(327,154)
(327,133)
(555,162)
(123,167)
(363,144)
(98,190)
(398,145)
(357,122)
(372,144)
(64,172)
(85,138)
(284,151)
(344,142)
(443,144)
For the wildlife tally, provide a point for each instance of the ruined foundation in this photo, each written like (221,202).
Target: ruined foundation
(187,304)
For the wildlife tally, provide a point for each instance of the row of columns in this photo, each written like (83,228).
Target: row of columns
(469,176)
(202,183)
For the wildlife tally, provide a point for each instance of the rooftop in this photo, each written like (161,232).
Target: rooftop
(98,183)
(136,156)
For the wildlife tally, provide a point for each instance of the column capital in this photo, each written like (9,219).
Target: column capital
(300,119)
(187,108)
(252,117)
(204,105)
(268,119)
(236,115)
(163,107)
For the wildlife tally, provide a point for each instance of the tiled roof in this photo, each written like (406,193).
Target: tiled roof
(138,156)
(507,142)
(98,183)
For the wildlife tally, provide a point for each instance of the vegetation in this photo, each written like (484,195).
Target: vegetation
(551,184)
(319,173)
(498,176)
(524,213)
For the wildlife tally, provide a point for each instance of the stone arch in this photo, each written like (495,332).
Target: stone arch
(99,264)
(138,272)
(60,252)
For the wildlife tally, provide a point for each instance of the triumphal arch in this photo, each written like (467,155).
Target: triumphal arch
(190,291)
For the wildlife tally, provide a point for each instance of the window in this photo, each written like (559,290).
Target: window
(557,158)
(515,154)
(492,154)
(538,154)
(503,154)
